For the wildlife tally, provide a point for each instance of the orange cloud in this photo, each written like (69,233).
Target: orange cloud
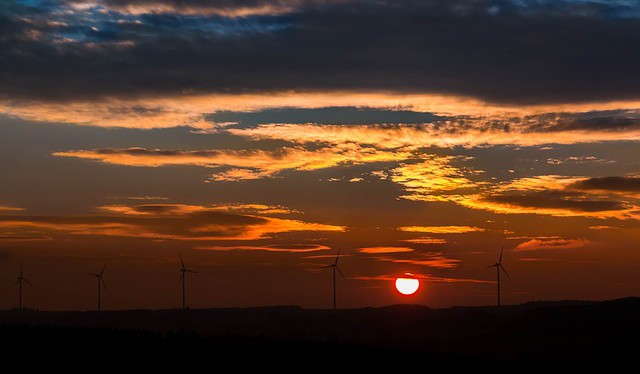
(431,259)
(426,240)
(385,249)
(433,179)
(426,277)
(166,222)
(538,244)
(551,195)
(191,110)
(244,164)
(441,229)
(4,208)
(293,248)
(154,209)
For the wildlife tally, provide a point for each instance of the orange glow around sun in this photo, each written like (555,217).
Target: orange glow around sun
(407,285)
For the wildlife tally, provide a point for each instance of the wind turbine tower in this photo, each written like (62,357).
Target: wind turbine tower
(498,266)
(100,278)
(335,267)
(21,279)
(183,280)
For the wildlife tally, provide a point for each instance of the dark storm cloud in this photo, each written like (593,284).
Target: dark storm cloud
(555,200)
(327,116)
(495,50)
(614,184)
(613,120)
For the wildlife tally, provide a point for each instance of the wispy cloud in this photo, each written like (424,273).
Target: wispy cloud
(441,229)
(540,244)
(609,184)
(426,277)
(5,208)
(551,195)
(433,179)
(377,250)
(430,259)
(426,240)
(291,248)
(165,222)
(253,163)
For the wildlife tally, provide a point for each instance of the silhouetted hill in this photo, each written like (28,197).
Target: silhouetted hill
(575,333)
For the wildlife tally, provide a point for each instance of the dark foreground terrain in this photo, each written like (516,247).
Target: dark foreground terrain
(516,338)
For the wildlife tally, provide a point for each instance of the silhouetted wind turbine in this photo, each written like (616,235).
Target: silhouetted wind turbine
(21,279)
(183,278)
(498,266)
(101,283)
(335,267)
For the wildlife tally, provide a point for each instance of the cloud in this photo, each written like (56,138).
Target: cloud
(375,250)
(291,248)
(20,238)
(426,240)
(164,222)
(154,209)
(426,277)
(610,184)
(539,244)
(441,229)
(224,8)
(254,163)
(67,51)
(434,179)
(431,259)
(550,195)
(5,208)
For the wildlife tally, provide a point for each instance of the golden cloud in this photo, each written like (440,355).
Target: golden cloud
(538,244)
(255,163)
(426,240)
(441,229)
(426,277)
(191,110)
(377,250)
(293,248)
(551,195)
(165,222)
(430,259)
(5,208)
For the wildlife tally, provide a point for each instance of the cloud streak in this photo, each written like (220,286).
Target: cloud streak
(165,222)
(551,243)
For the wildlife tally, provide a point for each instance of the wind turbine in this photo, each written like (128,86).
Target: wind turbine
(101,283)
(21,279)
(335,267)
(183,279)
(498,266)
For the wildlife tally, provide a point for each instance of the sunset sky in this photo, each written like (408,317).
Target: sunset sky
(257,137)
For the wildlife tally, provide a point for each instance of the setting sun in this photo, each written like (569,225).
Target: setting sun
(406,285)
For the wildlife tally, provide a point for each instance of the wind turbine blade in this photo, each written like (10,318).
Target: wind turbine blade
(505,272)
(337,257)
(181,262)
(103,268)
(340,271)
(18,281)
(103,283)
(328,266)
(94,274)
(501,250)
(191,271)
(492,266)
(26,280)
(181,278)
